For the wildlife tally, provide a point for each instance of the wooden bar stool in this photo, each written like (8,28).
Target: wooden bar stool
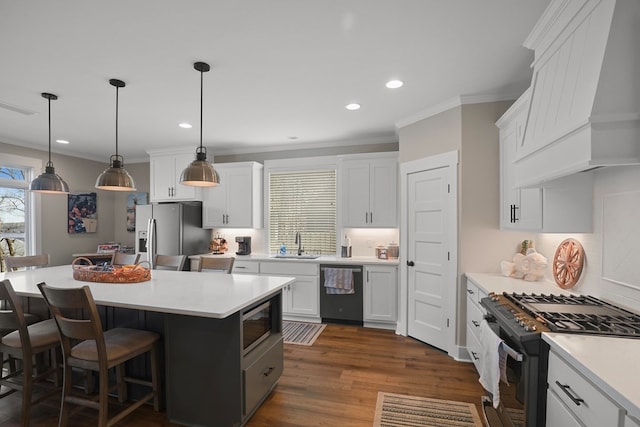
(125,259)
(170,262)
(221,265)
(26,342)
(14,262)
(99,351)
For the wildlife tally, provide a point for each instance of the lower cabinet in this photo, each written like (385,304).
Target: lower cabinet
(573,400)
(259,375)
(301,299)
(380,296)
(475,314)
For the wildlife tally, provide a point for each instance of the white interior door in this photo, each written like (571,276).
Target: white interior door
(428,257)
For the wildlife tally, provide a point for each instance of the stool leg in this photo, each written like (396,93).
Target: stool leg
(155,376)
(103,409)
(66,391)
(27,383)
(122,386)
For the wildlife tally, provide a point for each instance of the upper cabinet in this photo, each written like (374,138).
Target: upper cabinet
(237,201)
(166,166)
(562,205)
(584,108)
(368,190)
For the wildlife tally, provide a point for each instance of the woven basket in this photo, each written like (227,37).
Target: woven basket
(120,274)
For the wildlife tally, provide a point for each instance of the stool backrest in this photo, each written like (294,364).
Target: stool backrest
(125,259)
(12,317)
(222,265)
(76,316)
(15,262)
(170,262)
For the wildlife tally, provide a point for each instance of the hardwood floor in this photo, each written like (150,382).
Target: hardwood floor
(335,382)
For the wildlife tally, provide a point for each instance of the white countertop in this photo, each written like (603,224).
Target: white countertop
(498,284)
(324,259)
(610,363)
(213,295)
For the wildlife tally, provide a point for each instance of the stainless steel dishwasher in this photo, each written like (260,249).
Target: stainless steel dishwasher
(342,308)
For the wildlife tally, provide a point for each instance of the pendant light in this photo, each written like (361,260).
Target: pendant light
(115,177)
(49,182)
(200,173)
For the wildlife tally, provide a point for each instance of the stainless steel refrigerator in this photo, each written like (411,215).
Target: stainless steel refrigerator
(170,229)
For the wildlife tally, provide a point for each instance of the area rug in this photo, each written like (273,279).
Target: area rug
(301,333)
(401,410)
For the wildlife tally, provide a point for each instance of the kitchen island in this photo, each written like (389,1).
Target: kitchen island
(209,378)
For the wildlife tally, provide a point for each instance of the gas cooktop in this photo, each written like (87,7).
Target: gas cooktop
(578,314)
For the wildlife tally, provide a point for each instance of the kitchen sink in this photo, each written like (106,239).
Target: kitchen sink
(294,256)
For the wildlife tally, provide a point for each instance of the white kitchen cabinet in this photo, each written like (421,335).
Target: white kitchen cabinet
(574,400)
(380,296)
(368,190)
(301,299)
(475,314)
(237,201)
(630,422)
(165,167)
(562,205)
(245,267)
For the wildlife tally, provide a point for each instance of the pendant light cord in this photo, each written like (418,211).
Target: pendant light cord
(49,99)
(201,105)
(117,91)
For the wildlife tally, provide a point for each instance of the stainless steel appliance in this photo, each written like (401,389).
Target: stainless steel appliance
(519,319)
(342,308)
(170,229)
(244,245)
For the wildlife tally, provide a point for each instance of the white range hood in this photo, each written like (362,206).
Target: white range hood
(584,110)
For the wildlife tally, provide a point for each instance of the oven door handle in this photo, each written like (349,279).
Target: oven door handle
(567,390)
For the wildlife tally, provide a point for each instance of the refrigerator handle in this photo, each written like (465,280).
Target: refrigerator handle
(151,242)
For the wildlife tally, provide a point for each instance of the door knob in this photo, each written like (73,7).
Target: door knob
(410,263)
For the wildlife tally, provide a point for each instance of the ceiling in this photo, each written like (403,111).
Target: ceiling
(282,70)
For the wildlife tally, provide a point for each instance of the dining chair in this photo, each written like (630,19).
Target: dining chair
(14,262)
(99,351)
(29,344)
(125,259)
(218,264)
(169,262)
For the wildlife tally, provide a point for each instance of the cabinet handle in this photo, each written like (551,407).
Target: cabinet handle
(371,217)
(515,217)
(227,215)
(475,355)
(511,208)
(566,388)
(470,291)
(366,217)
(410,263)
(475,323)
(268,371)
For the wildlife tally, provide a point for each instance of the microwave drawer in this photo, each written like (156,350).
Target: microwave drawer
(261,375)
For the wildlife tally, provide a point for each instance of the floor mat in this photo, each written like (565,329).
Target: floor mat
(301,333)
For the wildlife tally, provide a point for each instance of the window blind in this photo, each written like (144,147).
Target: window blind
(305,202)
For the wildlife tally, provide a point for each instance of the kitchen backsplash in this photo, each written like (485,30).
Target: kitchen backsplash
(363,241)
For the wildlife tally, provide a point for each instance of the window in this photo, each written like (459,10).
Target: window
(16,222)
(303,201)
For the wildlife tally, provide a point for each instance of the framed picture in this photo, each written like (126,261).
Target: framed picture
(133,200)
(82,214)
(108,248)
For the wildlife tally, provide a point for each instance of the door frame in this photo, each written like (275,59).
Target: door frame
(448,160)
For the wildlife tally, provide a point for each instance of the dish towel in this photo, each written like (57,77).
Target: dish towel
(338,281)
(493,368)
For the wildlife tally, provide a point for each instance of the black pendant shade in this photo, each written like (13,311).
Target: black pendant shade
(200,173)
(49,182)
(116,177)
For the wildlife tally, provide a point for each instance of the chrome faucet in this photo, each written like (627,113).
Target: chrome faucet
(299,243)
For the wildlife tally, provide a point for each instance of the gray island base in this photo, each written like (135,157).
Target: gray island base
(223,349)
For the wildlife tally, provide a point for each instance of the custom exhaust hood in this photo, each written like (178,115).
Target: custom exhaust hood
(584,110)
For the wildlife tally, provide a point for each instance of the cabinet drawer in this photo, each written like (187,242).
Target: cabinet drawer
(474,293)
(474,317)
(248,267)
(261,375)
(589,404)
(295,268)
(474,349)
(558,414)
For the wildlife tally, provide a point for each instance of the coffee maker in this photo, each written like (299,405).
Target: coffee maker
(244,245)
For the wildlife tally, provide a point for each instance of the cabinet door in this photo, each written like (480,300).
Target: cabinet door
(558,414)
(355,199)
(184,192)
(214,203)
(162,178)
(381,294)
(383,193)
(239,198)
(303,297)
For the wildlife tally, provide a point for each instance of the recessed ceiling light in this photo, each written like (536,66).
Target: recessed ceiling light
(185,125)
(352,107)
(62,141)
(394,84)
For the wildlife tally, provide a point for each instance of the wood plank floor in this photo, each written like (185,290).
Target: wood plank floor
(335,382)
